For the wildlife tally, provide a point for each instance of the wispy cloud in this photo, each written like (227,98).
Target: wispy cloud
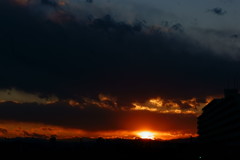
(17,96)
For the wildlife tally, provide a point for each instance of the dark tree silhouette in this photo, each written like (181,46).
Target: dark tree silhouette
(53,138)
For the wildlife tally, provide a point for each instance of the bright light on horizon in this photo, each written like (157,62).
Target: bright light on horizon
(146,135)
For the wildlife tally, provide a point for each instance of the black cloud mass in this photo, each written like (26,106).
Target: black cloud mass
(92,118)
(218,11)
(69,57)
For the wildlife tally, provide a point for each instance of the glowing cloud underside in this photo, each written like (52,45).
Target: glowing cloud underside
(189,106)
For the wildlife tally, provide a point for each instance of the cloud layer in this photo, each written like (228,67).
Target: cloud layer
(72,58)
(93,118)
(48,48)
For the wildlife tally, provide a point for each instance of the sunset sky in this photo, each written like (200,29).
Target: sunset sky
(114,68)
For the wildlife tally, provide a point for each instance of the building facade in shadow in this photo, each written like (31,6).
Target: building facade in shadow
(220,120)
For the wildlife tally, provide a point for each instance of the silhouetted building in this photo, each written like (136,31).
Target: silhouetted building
(220,120)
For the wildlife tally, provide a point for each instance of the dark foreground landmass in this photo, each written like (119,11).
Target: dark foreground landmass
(84,148)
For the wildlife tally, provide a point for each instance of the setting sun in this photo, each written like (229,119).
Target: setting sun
(146,135)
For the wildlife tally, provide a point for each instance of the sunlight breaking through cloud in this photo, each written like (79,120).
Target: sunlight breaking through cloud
(188,106)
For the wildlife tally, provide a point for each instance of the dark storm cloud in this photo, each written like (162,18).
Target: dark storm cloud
(89,1)
(71,58)
(93,118)
(218,11)
(178,27)
(52,3)
(235,36)
(222,42)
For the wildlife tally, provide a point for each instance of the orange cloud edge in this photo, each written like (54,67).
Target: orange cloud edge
(157,105)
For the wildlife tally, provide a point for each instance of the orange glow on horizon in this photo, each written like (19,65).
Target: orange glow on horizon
(146,135)
(35,130)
